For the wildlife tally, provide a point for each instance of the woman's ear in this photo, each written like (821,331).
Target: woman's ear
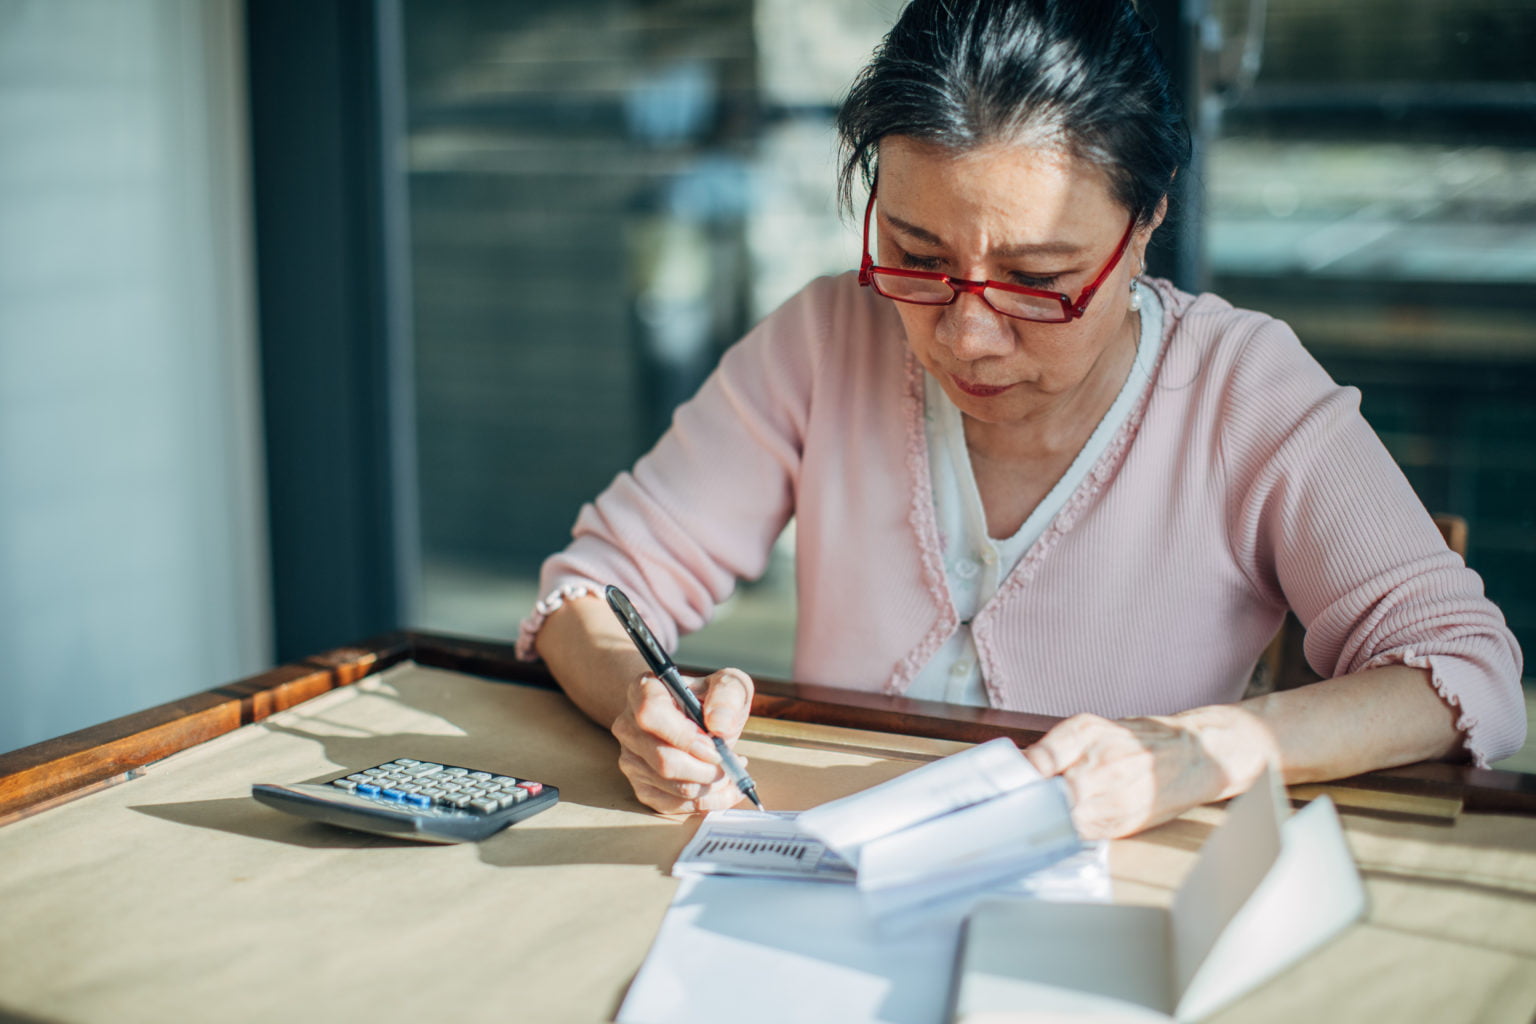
(1145,232)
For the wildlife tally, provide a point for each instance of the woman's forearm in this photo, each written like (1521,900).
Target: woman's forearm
(591,656)
(1131,774)
(1339,727)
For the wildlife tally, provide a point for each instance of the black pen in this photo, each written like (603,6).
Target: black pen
(667,672)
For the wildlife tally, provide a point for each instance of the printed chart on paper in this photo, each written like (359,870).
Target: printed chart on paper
(761,845)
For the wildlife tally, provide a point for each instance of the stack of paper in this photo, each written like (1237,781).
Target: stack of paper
(757,934)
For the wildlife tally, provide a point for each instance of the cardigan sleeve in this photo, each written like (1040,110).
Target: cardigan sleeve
(1321,518)
(702,509)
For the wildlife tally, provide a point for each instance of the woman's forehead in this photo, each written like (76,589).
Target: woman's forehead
(1017,195)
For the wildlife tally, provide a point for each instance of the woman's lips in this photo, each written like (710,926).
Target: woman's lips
(979,390)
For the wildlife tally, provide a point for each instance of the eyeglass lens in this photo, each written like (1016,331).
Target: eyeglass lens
(930,292)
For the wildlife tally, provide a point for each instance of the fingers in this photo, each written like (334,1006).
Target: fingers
(671,763)
(654,711)
(728,702)
(1065,745)
(1111,770)
(671,797)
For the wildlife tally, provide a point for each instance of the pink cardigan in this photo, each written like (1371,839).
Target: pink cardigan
(1245,482)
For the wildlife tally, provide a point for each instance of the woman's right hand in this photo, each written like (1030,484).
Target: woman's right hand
(669,760)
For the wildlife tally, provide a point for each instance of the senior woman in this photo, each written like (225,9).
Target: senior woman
(1025,475)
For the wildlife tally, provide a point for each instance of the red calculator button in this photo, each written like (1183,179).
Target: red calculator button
(533,788)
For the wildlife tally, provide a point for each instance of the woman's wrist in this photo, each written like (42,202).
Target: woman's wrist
(1234,743)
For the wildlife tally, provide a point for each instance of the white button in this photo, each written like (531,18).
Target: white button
(989,556)
(961,669)
(965,568)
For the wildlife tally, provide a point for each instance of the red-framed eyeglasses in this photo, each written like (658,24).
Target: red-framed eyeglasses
(928,288)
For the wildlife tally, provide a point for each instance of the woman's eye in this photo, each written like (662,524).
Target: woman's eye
(1036,282)
(912,261)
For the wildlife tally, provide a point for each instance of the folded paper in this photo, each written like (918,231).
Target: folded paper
(1265,892)
(958,824)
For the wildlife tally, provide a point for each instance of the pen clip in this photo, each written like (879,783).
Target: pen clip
(638,631)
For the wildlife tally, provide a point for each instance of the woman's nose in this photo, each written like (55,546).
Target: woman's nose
(973,330)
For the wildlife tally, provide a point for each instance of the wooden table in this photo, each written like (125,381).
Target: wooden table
(139,881)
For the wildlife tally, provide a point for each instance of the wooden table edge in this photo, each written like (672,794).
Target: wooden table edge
(50,771)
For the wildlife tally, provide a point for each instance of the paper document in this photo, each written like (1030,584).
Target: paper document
(756,933)
(985,771)
(961,823)
(1266,891)
(768,950)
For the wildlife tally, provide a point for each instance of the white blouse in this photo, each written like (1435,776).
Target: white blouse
(974,563)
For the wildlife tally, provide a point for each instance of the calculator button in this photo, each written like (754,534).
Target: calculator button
(346,784)
(504,780)
(482,776)
(459,802)
(374,771)
(424,768)
(367,789)
(508,799)
(417,800)
(392,794)
(455,771)
(359,777)
(484,805)
(405,762)
(532,788)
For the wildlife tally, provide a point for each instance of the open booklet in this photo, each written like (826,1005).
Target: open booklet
(1265,891)
(959,824)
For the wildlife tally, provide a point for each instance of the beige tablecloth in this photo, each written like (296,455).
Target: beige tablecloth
(176,897)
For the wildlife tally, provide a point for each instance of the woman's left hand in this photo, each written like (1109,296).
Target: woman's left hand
(1131,774)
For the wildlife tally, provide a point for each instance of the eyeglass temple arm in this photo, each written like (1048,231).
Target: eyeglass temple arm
(867,261)
(1109,268)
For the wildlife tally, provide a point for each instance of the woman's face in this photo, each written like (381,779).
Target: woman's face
(1016,215)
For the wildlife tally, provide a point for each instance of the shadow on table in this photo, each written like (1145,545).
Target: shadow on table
(13,1017)
(243,816)
(654,844)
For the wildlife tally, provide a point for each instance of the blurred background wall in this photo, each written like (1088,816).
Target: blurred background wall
(133,562)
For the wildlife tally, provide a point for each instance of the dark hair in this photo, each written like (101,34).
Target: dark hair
(1079,75)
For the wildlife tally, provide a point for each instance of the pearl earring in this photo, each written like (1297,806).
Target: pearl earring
(1136,295)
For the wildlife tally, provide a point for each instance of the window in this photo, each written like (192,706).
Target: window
(1377,190)
(603,196)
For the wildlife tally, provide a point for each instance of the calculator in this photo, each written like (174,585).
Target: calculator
(409,799)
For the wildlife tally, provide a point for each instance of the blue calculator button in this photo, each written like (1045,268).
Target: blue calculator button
(367,789)
(393,794)
(418,800)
